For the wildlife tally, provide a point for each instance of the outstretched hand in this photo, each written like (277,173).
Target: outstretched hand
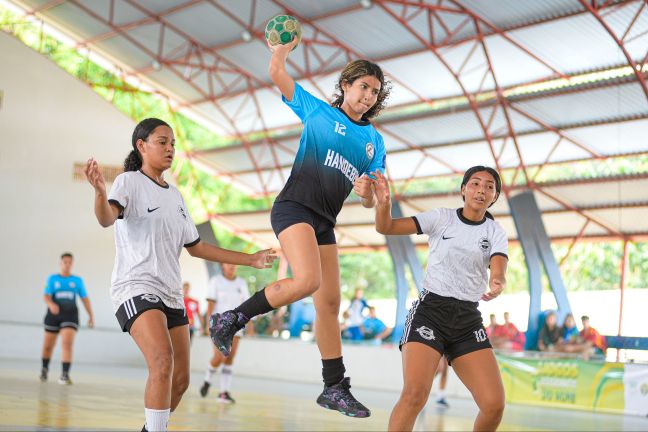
(362,186)
(263,259)
(496,286)
(381,188)
(94,176)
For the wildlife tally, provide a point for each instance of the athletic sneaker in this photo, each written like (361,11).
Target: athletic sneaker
(442,402)
(225,398)
(223,327)
(43,375)
(338,397)
(65,380)
(204,389)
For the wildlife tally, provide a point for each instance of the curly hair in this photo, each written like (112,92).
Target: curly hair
(355,70)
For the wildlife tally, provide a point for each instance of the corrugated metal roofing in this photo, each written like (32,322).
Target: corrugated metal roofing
(193,51)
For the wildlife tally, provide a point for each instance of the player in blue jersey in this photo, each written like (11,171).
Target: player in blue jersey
(339,148)
(62,315)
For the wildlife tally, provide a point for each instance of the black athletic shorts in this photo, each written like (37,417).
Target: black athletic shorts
(134,307)
(287,213)
(450,326)
(66,318)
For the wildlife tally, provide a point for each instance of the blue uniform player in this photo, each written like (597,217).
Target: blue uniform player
(62,315)
(339,150)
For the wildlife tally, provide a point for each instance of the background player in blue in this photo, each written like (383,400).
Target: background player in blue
(465,243)
(62,315)
(338,148)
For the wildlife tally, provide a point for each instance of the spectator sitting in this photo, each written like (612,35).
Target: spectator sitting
(492,327)
(549,335)
(592,338)
(495,333)
(569,332)
(570,341)
(355,316)
(515,338)
(373,327)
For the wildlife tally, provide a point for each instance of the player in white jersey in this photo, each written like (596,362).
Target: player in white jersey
(464,243)
(152,225)
(224,292)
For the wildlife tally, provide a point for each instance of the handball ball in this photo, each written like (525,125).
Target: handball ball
(282,29)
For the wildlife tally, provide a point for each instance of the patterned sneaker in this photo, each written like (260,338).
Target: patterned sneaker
(225,398)
(223,327)
(443,403)
(204,389)
(65,380)
(338,397)
(43,375)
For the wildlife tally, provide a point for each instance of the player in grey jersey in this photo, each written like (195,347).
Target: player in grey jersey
(464,243)
(152,225)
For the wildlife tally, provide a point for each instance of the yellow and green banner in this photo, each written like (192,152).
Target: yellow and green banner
(564,383)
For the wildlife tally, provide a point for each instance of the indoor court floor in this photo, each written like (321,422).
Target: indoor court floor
(110,398)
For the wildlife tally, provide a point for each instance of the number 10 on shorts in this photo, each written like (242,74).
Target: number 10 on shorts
(480,335)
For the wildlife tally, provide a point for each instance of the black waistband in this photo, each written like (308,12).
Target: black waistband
(436,297)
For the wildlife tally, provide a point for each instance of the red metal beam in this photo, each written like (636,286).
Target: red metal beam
(637,70)
(624,265)
(573,243)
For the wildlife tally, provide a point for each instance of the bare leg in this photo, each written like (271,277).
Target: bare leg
(443,371)
(229,360)
(419,367)
(180,382)
(49,342)
(478,370)
(150,333)
(327,305)
(299,244)
(67,345)
(218,357)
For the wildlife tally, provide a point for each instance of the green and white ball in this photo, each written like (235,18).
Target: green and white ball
(281,29)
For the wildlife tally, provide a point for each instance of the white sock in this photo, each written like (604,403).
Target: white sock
(440,394)
(226,378)
(209,373)
(157,420)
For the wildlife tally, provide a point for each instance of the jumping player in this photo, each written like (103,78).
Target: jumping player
(62,315)
(338,147)
(152,225)
(464,243)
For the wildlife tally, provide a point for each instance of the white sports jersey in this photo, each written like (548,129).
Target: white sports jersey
(460,252)
(151,230)
(227,294)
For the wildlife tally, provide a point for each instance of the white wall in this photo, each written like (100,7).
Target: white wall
(374,367)
(49,120)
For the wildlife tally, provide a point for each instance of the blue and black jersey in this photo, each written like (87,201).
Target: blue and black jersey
(334,150)
(64,290)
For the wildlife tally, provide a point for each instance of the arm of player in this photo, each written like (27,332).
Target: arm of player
(105,212)
(277,68)
(497,280)
(88,308)
(53,307)
(261,259)
(384,222)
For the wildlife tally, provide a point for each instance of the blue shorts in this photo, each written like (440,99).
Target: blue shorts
(287,213)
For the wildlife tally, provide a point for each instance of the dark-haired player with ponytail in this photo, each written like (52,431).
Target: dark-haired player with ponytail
(338,148)
(464,244)
(152,225)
